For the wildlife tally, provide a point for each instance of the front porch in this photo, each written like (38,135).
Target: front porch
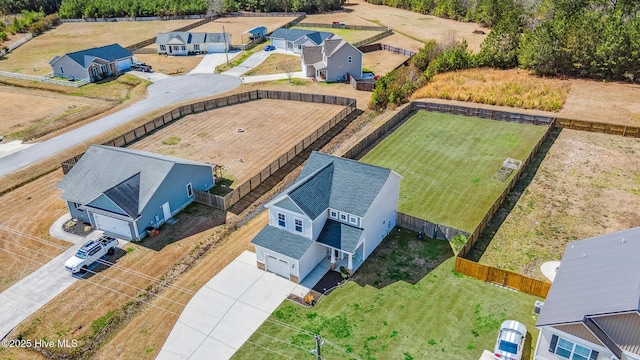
(325,265)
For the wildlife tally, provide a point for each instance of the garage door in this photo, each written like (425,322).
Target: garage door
(278,266)
(215,48)
(279,44)
(124,64)
(112,225)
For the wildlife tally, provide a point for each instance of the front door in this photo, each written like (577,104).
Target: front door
(166,210)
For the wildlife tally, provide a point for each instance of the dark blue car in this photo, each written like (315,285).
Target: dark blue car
(269,48)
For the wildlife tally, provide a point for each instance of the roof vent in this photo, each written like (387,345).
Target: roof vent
(622,241)
(584,255)
(572,246)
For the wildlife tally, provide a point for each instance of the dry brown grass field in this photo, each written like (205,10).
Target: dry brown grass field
(513,88)
(170,65)
(417,26)
(382,62)
(237,25)
(273,65)
(271,128)
(12,39)
(33,57)
(588,184)
(30,211)
(45,109)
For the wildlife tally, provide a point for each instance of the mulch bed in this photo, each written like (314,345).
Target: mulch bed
(316,295)
(77,227)
(330,280)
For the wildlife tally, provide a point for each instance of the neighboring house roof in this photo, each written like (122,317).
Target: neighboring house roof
(256,30)
(294,34)
(340,236)
(126,177)
(107,53)
(186,37)
(339,183)
(599,275)
(282,241)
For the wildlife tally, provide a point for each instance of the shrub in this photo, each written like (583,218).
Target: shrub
(3,36)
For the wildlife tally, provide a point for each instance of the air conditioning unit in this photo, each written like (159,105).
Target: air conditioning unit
(538,307)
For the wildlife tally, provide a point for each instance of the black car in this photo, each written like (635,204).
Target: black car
(140,66)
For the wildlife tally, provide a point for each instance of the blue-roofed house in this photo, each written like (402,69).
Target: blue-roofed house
(295,39)
(93,64)
(124,191)
(185,43)
(338,208)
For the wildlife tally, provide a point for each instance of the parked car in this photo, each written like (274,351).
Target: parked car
(510,341)
(140,66)
(91,252)
(269,48)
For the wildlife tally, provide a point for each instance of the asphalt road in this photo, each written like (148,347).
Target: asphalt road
(161,93)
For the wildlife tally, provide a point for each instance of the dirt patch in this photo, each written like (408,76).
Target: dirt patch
(33,57)
(46,111)
(615,103)
(417,26)
(215,136)
(382,62)
(24,214)
(588,184)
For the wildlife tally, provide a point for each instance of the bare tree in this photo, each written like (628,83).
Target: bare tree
(288,67)
(214,7)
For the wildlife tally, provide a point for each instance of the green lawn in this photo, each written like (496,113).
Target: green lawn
(441,316)
(350,36)
(448,162)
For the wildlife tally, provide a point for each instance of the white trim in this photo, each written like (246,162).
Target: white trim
(284,220)
(295,219)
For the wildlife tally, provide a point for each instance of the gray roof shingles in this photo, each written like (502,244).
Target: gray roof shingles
(109,53)
(340,236)
(192,37)
(282,242)
(117,172)
(311,54)
(312,194)
(353,187)
(598,275)
(294,34)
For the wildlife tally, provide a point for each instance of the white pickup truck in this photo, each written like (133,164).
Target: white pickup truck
(91,252)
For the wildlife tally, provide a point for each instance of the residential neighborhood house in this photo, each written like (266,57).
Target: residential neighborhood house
(295,39)
(93,64)
(255,34)
(337,209)
(185,43)
(592,311)
(123,191)
(333,60)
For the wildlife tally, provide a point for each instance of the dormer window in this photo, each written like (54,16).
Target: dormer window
(282,220)
(350,59)
(353,220)
(298,226)
(333,214)
(343,217)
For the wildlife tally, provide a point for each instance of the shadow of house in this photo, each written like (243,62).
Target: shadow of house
(512,198)
(402,257)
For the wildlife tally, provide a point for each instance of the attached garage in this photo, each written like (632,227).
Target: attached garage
(124,64)
(279,43)
(277,266)
(113,225)
(215,48)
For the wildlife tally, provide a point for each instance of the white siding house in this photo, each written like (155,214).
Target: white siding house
(185,43)
(338,208)
(592,311)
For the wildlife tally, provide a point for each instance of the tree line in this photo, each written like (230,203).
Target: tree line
(16,6)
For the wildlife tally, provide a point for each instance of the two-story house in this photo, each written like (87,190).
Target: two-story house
(333,60)
(592,311)
(337,209)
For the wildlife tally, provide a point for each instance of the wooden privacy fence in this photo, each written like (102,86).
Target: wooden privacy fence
(428,228)
(226,201)
(343,26)
(485,113)
(613,129)
(503,277)
(363,85)
(374,38)
(397,50)
(267,14)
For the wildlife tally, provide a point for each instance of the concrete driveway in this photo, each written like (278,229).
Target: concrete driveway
(226,311)
(253,61)
(209,62)
(272,77)
(161,93)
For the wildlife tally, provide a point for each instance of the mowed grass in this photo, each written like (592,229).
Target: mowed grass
(441,316)
(514,88)
(448,162)
(348,35)
(274,65)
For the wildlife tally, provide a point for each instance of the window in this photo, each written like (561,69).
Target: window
(353,220)
(189,190)
(569,350)
(61,70)
(343,217)
(298,224)
(333,214)
(94,251)
(183,48)
(282,220)
(196,47)
(163,48)
(350,59)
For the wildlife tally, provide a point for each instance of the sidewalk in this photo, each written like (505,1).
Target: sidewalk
(271,77)
(226,311)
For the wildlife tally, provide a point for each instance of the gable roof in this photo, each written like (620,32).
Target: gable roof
(335,182)
(127,177)
(599,275)
(294,34)
(86,57)
(340,236)
(311,54)
(282,241)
